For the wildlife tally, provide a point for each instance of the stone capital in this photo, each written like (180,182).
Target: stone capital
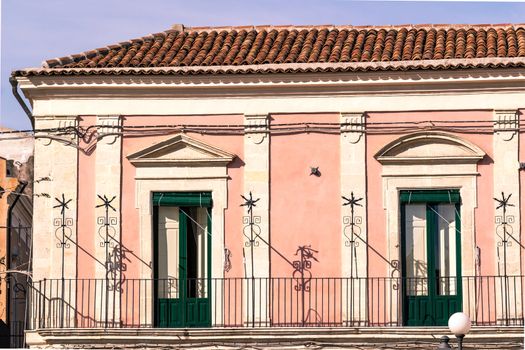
(506,121)
(352,126)
(59,128)
(256,127)
(108,126)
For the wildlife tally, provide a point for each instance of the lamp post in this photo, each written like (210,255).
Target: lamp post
(459,324)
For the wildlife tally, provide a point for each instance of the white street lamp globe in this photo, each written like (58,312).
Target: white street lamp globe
(459,323)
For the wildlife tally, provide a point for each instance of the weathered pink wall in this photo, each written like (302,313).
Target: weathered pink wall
(521,114)
(305,209)
(484,213)
(233,214)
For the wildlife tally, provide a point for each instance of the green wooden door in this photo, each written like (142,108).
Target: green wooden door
(182,259)
(431,242)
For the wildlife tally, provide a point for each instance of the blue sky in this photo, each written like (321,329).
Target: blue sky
(35,30)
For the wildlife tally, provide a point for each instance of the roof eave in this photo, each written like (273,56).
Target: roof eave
(496,62)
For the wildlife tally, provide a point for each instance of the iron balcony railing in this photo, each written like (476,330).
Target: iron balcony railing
(270,302)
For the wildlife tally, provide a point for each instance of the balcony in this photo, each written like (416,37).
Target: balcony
(273,302)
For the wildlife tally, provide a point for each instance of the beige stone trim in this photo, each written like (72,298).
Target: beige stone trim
(257,181)
(354,259)
(506,180)
(180,150)
(108,183)
(479,79)
(58,161)
(276,93)
(430,148)
(363,338)
(275,102)
(166,178)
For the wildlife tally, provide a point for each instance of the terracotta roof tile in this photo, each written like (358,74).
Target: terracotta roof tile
(204,47)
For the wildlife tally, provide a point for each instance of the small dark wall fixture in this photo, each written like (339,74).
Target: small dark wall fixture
(315,171)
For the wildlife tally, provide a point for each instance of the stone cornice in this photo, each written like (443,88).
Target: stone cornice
(37,87)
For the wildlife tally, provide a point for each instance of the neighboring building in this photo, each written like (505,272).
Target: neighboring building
(7,183)
(263,177)
(16,163)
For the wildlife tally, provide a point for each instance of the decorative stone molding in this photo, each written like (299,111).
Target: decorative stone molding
(256,127)
(365,338)
(353,126)
(430,148)
(181,164)
(506,121)
(181,150)
(108,126)
(69,123)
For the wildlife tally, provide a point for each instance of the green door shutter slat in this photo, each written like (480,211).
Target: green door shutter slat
(431,196)
(182,199)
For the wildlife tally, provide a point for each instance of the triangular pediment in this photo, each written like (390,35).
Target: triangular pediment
(430,147)
(181,150)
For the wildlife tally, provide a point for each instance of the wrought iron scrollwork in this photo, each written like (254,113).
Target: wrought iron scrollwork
(352,222)
(251,230)
(504,232)
(504,224)
(63,231)
(395,265)
(107,233)
(107,224)
(254,229)
(352,231)
(302,273)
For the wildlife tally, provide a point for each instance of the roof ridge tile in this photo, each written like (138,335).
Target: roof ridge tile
(291,44)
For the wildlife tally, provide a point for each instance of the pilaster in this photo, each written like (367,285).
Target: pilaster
(107,215)
(353,216)
(256,182)
(55,215)
(56,174)
(507,210)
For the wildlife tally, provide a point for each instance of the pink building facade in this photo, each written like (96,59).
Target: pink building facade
(309,190)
